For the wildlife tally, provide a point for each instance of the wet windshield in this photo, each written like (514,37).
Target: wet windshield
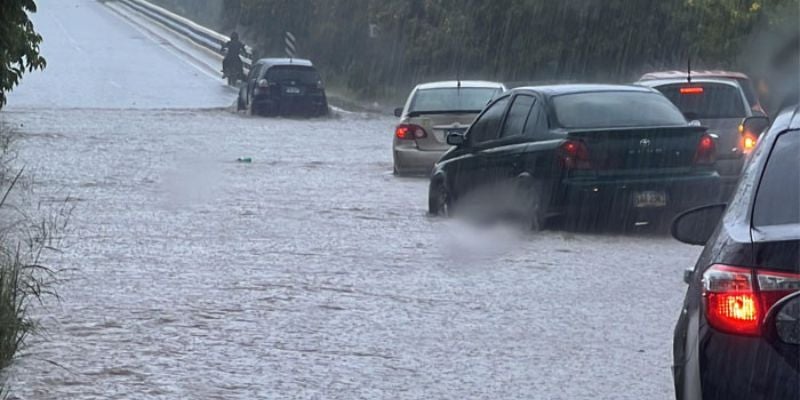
(452,99)
(613,110)
(707,100)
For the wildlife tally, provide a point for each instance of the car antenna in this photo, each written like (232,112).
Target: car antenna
(458,80)
(689,70)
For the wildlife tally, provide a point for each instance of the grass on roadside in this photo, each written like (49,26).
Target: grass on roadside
(25,238)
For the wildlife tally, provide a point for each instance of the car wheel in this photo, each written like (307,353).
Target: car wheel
(439,200)
(534,198)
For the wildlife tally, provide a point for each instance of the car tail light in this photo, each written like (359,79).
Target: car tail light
(706,151)
(574,155)
(692,90)
(410,132)
(749,143)
(262,86)
(738,299)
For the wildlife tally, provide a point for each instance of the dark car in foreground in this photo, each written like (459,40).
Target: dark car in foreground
(283,86)
(578,151)
(720,105)
(738,335)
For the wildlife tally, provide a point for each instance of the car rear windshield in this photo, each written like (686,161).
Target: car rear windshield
(452,99)
(706,100)
(614,110)
(778,198)
(298,73)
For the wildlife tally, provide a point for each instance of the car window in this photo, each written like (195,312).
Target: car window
(517,116)
(749,91)
(302,74)
(778,197)
(707,100)
(487,127)
(452,99)
(613,110)
(537,126)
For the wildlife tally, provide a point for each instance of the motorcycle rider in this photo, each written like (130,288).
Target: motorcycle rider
(232,67)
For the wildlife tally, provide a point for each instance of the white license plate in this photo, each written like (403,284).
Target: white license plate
(650,199)
(293,90)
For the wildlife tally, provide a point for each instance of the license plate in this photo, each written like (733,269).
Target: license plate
(650,199)
(293,90)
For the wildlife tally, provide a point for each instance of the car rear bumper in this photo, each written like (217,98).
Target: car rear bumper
(742,368)
(616,195)
(413,161)
(287,105)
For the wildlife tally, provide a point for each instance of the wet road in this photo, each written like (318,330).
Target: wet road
(310,273)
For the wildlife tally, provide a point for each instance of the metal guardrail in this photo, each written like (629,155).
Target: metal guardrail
(196,33)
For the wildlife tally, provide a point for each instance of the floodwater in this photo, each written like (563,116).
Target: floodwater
(311,272)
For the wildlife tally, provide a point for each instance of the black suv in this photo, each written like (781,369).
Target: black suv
(282,86)
(738,335)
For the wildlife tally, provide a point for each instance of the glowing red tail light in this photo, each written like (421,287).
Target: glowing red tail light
(410,132)
(692,90)
(738,299)
(574,155)
(706,151)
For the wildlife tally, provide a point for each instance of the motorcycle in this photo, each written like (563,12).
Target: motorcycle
(232,69)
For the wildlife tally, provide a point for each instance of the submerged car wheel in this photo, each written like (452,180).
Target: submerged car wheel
(253,110)
(534,200)
(439,201)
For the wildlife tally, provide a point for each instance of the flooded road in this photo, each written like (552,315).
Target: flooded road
(311,272)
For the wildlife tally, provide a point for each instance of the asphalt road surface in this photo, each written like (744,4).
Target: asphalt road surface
(311,272)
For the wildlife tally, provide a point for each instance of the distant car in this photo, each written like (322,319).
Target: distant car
(282,86)
(432,111)
(743,80)
(738,334)
(576,150)
(720,105)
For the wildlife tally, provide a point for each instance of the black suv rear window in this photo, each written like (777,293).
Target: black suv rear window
(300,74)
(707,100)
(778,198)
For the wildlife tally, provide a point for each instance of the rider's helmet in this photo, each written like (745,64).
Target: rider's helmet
(235,36)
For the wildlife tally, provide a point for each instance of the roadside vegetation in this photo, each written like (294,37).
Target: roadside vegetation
(27,232)
(28,235)
(19,44)
(380,48)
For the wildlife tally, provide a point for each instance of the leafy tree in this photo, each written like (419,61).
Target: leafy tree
(510,40)
(19,44)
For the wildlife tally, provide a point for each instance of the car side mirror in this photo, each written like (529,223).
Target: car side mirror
(456,139)
(398,112)
(754,126)
(783,321)
(697,225)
